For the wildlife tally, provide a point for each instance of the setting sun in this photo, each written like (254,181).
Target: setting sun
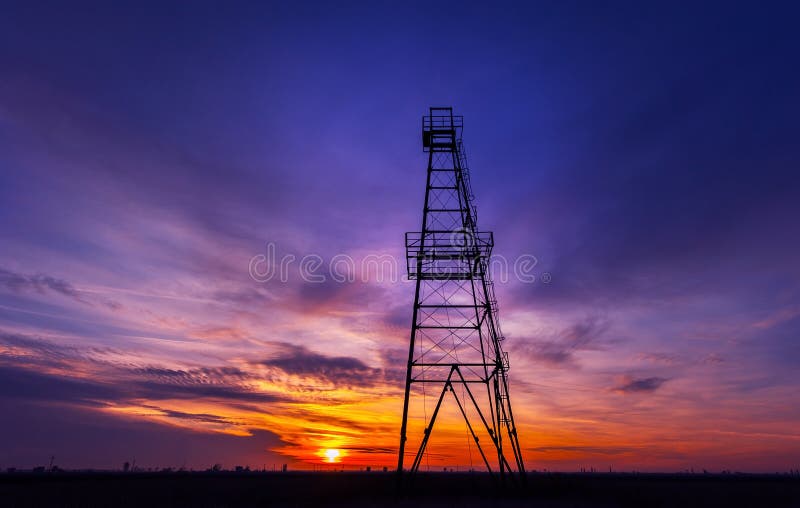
(332,455)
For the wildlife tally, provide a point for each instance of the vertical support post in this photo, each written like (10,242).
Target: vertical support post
(410,363)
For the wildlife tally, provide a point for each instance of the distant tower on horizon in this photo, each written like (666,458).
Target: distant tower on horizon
(455,343)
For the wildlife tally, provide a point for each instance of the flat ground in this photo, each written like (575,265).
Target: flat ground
(462,490)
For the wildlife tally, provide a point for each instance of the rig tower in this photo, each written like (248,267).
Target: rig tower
(456,342)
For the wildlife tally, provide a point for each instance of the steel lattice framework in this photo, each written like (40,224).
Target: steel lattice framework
(456,342)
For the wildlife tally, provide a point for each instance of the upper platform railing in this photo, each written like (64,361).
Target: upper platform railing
(445,255)
(441,130)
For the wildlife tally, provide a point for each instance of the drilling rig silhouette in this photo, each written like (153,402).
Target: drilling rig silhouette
(456,342)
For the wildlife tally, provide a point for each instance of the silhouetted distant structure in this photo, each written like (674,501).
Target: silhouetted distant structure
(456,340)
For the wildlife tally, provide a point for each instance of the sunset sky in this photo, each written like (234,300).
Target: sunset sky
(647,157)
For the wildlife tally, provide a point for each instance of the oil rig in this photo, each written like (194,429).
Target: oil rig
(456,341)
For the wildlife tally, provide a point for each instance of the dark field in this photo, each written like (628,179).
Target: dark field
(378,489)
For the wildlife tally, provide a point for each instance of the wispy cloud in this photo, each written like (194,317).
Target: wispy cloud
(39,283)
(43,284)
(630,384)
(68,374)
(561,348)
(338,370)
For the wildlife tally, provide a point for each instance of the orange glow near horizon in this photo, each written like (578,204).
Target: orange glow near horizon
(328,424)
(320,415)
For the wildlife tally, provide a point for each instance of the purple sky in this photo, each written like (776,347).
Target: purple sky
(647,157)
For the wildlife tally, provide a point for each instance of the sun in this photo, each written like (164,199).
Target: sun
(332,454)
